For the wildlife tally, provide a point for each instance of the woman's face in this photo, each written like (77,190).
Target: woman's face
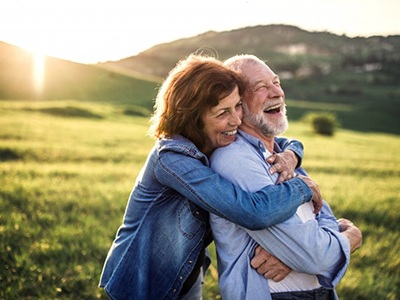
(222,121)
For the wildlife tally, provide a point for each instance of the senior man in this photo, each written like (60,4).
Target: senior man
(316,248)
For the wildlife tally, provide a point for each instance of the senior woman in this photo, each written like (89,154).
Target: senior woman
(160,247)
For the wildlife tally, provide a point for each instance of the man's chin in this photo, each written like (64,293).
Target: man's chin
(275,129)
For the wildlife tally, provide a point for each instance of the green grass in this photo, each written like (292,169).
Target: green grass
(67,168)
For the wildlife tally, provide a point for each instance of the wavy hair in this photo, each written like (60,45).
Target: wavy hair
(196,84)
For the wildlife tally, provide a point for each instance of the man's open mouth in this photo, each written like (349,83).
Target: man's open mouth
(273,109)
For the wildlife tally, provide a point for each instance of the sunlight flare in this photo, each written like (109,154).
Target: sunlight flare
(38,71)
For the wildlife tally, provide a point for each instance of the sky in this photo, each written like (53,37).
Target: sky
(90,31)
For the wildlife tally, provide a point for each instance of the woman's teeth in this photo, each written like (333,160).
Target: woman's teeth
(229,132)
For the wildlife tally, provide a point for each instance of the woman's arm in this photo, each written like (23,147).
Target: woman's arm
(198,183)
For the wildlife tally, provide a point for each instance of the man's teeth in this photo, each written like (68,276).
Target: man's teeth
(229,132)
(273,107)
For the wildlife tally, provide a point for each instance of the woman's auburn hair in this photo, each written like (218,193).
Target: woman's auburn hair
(196,84)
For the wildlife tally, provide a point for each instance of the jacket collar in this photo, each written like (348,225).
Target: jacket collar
(180,144)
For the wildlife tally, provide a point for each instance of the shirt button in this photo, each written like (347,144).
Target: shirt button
(180,277)
(190,261)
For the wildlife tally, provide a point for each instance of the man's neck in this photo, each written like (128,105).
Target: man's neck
(267,140)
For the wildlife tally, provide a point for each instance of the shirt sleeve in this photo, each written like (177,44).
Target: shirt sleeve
(326,218)
(308,248)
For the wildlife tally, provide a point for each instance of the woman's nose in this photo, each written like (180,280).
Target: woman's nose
(236,119)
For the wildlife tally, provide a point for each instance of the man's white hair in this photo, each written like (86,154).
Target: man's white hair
(242,61)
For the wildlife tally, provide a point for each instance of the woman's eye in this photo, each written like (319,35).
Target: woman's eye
(223,114)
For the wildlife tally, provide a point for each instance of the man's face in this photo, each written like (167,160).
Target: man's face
(264,102)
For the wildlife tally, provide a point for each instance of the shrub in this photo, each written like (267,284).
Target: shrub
(7,154)
(70,111)
(134,110)
(322,123)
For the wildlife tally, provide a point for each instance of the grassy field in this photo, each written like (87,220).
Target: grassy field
(67,167)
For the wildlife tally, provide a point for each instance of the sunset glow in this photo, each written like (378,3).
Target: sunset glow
(38,71)
(93,31)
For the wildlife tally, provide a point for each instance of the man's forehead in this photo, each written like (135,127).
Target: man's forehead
(259,73)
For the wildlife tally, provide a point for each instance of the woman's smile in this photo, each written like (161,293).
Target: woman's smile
(222,121)
(229,133)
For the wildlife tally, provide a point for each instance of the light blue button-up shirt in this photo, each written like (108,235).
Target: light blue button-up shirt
(314,247)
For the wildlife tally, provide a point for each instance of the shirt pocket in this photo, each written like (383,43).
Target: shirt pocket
(189,219)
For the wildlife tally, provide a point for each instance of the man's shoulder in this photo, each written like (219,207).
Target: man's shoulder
(233,158)
(235,148)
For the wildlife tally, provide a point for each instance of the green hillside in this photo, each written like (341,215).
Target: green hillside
(287,49)
(358,79)
(69,80)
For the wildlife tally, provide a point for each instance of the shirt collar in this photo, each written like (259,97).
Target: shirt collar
(258,144)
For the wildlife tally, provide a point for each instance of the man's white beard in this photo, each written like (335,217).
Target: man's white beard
(266,126)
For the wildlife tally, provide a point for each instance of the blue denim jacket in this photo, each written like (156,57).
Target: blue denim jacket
(166,219)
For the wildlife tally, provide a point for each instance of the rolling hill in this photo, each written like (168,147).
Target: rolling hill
(358,79)
(287,48)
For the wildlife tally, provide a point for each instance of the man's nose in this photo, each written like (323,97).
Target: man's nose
(275,92)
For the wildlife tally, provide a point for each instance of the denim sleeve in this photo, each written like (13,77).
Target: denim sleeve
(293,145)
(198,183)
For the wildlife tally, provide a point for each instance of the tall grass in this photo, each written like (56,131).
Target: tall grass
(67,167)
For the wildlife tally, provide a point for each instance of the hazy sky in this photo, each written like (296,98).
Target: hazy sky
(89,31)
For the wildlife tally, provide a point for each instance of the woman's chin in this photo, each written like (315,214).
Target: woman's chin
(228,140)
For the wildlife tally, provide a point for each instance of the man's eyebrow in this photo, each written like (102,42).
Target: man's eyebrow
(276,77)
(257,82)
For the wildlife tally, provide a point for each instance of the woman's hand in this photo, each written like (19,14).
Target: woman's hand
(317,197)
(269,266)
(284,163)
(352,232)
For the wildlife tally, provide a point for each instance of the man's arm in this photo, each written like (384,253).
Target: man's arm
(307,248)
(272,268)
